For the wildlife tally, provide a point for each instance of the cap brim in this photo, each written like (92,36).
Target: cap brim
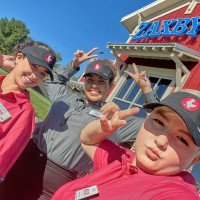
(153,105)
(37,61)
(100,74)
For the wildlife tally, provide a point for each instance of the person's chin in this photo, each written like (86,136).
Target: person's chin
(95,98)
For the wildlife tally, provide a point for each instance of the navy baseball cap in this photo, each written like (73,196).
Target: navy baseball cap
(100,69)
(187,106)
(40,56)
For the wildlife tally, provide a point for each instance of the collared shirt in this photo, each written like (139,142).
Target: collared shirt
(59,134)
(116,178)
(15,131)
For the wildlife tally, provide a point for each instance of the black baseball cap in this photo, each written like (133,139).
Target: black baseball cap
(187,106)
(40,56)
(98,67)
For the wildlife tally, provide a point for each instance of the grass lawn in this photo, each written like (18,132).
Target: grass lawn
(2,72)
(40,104)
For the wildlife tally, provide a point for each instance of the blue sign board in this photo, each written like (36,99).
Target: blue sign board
(173,27)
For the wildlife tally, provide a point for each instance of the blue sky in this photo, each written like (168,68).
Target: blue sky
(69,25)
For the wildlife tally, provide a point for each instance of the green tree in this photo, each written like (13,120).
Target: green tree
(12,33)
(58,59)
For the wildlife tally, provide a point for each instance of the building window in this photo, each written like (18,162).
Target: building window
(128,94)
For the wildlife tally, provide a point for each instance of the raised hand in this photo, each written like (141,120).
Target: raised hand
(117,120)
(109,109)
(80,57)
(141,79)
(7,61)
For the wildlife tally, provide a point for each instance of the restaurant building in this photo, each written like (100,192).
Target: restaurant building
(164,41)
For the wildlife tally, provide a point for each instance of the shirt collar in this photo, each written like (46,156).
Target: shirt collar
(20,97)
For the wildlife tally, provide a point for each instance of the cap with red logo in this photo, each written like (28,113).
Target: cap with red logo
(40,56)
(187,106)
(98,67)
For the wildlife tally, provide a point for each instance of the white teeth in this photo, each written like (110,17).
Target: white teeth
(94,92)
(28,80)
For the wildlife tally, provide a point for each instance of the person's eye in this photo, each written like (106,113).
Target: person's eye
(89,80)
(101,82)
(43,74)
(157,121)
(182,140)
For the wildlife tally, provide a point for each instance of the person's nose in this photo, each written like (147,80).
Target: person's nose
(35,76)
(94,84)
(161,142)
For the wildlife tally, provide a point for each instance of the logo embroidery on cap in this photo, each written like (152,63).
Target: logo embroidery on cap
(97,67)
(48,58)
(190,104)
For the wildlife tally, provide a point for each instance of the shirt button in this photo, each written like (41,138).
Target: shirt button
(133,170)
(1,179)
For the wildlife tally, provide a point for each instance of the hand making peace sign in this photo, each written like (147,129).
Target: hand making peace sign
(80,57)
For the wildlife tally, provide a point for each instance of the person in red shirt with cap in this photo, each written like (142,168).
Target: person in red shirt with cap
(167,143)
(33,62)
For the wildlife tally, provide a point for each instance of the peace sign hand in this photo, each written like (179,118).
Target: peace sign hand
(80,57)
(109,126)
(141,79)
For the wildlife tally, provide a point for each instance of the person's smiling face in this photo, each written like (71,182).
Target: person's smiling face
(96,88)
(164,145)
(28,75)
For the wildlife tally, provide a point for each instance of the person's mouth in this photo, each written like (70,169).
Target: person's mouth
(94,92)
(152,154)
(29,80)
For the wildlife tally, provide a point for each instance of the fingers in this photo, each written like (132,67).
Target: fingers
(104,124)
(81,56)
(135,68)
(143,75)
(110,107)
(79,53)
(129,73)
(111,128)
(91,51)
(126,113)
(92,56)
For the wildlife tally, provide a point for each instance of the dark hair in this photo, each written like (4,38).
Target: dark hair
(108,63)
(18,48)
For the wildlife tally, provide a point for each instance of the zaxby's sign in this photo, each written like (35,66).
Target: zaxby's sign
(174,27)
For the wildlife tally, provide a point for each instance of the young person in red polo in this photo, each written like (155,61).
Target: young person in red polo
(167,143)
(32,63)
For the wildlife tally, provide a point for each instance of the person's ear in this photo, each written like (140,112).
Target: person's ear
(19,57)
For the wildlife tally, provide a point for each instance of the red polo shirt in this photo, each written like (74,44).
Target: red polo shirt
(15,131)
(117,179)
